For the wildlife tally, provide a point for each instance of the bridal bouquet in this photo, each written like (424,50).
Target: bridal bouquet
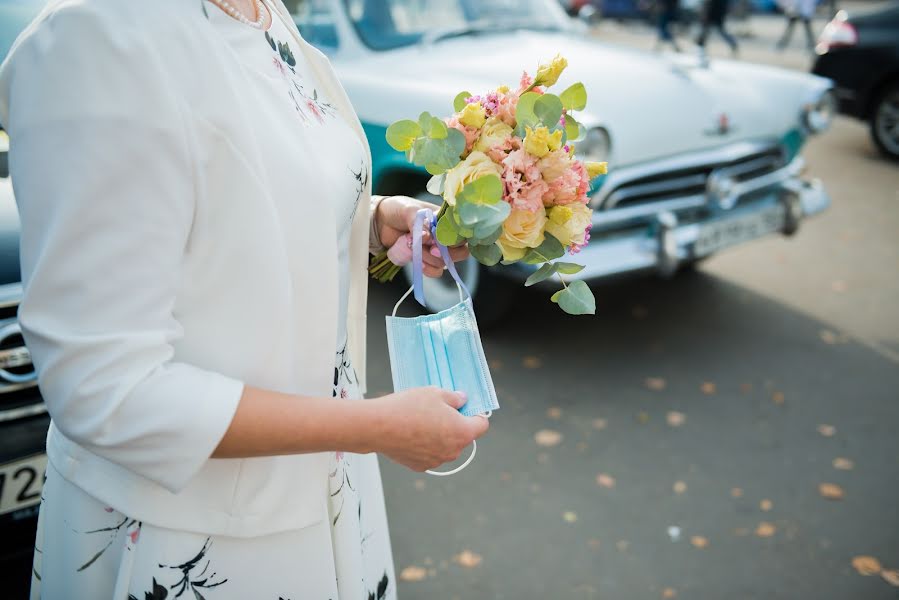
(512,188)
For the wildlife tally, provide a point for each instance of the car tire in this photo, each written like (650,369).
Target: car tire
(884,121)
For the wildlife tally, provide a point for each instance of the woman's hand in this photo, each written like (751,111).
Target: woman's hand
(396,217)
(424,428)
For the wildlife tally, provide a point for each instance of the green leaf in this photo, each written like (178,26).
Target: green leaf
(576,299)
(435,184)
(482,219)
(447,233)
(548,109)
(575,97)
(544,272)
(439,130)
(574,131)
(487,255)
(438,155)
(567,268)
(466,232)
(490,238)
(524,111)
(483,190)
(424,121)
(550,249)
(459,101)
(402,134)
(456,141)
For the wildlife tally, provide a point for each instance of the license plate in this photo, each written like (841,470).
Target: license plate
(21,483)
(735,230)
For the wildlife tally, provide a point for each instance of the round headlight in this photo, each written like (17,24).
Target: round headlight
(596,145)
(818,114)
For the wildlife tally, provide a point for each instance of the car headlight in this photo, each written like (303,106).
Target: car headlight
(818,114)
(596,145)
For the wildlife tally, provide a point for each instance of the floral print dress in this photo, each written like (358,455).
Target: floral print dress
(85,549)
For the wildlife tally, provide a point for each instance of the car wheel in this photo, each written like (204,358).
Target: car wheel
(885,121)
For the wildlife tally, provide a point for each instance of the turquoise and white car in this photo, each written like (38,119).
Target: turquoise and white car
(702,156)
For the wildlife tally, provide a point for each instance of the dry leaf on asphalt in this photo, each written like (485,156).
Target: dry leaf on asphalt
(599,424)
(843,464)
(594,543)
(827,430)
(606,481)
(642,417)
(569,516)
(736,492)
(777,397)
(699,541)
(675,419)
(679,487)
(708,388)
(467,559)
(554,412)
(413,573)
(831,491)
(765,529)
(838,285)
(669,593)
(891,576)
(548,438)
(505,476)
(766,505)
(531,362)
(656,384)
(745,388)
(866,565)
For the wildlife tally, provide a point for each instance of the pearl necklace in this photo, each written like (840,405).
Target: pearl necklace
(231,10)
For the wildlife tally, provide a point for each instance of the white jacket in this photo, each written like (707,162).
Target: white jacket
(156,281)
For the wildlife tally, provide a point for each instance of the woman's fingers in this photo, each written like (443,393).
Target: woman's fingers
(458,253)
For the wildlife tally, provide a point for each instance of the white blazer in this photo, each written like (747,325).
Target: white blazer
(156,282)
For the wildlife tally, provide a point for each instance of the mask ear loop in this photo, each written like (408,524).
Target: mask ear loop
(474,451)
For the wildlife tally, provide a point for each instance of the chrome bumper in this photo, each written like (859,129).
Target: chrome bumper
(619,246)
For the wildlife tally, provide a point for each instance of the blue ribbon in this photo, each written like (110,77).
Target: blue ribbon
(422,217)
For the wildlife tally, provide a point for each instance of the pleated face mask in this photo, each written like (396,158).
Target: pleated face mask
(442,349)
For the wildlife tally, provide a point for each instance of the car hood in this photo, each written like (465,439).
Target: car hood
(653,105)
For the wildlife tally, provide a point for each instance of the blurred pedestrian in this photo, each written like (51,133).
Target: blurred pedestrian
(668,14)
(798,10)
(714,15)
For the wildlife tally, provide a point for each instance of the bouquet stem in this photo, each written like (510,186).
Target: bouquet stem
(382,268)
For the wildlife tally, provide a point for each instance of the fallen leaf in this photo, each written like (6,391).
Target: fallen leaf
(639,312)
(669,593)
(708,388)
(548,438)
(496,365)
(569,516)
(531,362)
(843,464)
(643,417)
(866,565)
(419,484)
(505,476)
(413,574)
(736,492)
(891,576)
(606,481)
(656,384)
(827,430)
(554,412)
(765,529)
(599,424)
(745,388)
(831,491)
(679,487)
(622,545)
(467,559)
(838,286)
(675,419)
(777,397)
(593,543)
(699,541)
(766,505)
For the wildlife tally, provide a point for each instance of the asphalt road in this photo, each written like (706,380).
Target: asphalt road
(696,420)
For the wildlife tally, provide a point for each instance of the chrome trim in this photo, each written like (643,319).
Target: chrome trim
(655,187)
(23,412)
(10,294)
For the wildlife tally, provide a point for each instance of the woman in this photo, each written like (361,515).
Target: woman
(714,15)
(193,188)
(794,11)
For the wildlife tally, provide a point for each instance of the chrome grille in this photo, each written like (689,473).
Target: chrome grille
(19,395)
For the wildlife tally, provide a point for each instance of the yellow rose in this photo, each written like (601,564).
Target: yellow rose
(503,89)
(568,223)
(540,142)
(548,75)
(595,169)
(522,229)
(476,165)
(494,132)
(473,115)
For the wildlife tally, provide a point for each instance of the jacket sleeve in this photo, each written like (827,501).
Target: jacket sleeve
(105,181)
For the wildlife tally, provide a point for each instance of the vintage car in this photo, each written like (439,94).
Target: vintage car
(701,155)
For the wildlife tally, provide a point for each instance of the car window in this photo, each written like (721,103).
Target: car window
(315,20)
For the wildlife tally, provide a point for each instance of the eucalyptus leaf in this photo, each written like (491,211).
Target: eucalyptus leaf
(490,238)
(574,131)
(437,155)
(483,190)
(459,101)
(456,142)
(575,97)
(486,255)
(576,299)
(548,109)
(466,232)
(550,249)
(482,219)
(424,121)
(544,272)
(567,268)
(447,233)
(435,184)
(439,129)
(524,111)
(402,134)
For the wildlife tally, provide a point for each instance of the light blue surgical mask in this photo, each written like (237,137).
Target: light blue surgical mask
(442,349)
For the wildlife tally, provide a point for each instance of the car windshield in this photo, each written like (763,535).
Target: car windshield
(386,24)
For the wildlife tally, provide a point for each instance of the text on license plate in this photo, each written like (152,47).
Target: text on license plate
(738,229)
(21,483)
